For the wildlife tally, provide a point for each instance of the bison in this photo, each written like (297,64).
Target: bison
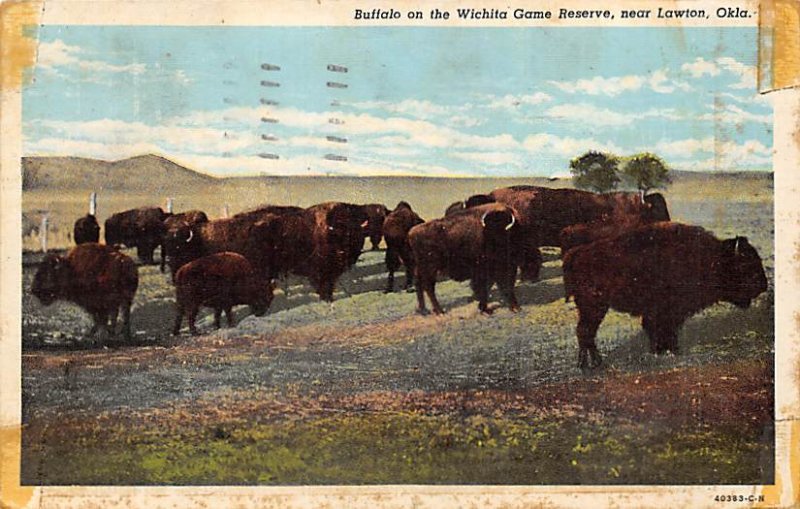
(186,242)
(376,213)
(94,276)
(472,201)
(172,224)
(398,251)
(480,244)
(545,212)
(664,272)
(219,281)
(86,229)
(142,228)
(320,243)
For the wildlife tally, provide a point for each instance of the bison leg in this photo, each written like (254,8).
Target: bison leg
(126,320)
(589,319)
(176,329)
(101,321)
(392,264)
(192,317)
(229,316)
(407,259)
(112,318)
(480,286)
(430,289)
(421,309)
(217,317)
(326,289)
(375,240)
(506,284)
(662,332)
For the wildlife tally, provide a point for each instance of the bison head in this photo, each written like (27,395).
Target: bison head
(742,272)
(347,225)
(657,209)
(262,299)
(52,279)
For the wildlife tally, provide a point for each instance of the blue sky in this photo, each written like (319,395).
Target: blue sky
(419,101)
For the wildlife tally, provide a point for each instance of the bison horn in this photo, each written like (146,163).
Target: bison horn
(641,195)
(365,223)
(736,247)
(513,220)
(483,219)
(191,234)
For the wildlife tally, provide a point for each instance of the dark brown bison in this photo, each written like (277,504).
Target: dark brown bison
(184,242)
(86,229)
(398,251)
(664,272)
(142,228)
(480,244)
(219,281)
(545,212)
(320,243)
(94,276)
(472,201)
(172,224)
(376,213)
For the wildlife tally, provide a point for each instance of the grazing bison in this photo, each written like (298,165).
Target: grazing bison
(376,213)
(86,229)
(472,201)
(142,228)
(398,251)
(172,224)
(664,272)
(219,281)
(94,276)
(320,243)
(185,242)
(480,244)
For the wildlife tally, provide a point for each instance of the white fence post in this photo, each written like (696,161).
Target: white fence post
(43,234)
(93,204)
(169,205)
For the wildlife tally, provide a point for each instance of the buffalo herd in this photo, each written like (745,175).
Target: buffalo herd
(619,251)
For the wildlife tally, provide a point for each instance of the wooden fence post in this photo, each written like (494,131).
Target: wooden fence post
(43,234)
(93,204)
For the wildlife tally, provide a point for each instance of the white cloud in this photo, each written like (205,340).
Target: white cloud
(511,102)
(490,158)
(51,55)
(732,114)
(745,73)
(566,147)
(657,81)
(726,155)
(700,67)
(683,149)
(588,113)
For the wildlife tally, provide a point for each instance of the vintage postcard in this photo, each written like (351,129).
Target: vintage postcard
(301,254)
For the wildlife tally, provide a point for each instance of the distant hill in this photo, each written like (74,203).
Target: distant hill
(146,173)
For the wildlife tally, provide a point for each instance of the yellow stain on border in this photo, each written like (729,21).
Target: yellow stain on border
(12,495)
(18,23)
(779,44)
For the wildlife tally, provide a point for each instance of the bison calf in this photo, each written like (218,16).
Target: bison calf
(96,277)
(481,244)
(664,272)
(219,281)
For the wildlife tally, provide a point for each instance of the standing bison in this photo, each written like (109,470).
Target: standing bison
(480,244)
(376,214)
(219,281)
(97,278)
(398,251)
(184,242)
(172,224)
(545,212)
(664,272)
(142,228)
(86,229)
(320,243)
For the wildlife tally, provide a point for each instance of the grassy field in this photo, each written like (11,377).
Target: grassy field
(366,392)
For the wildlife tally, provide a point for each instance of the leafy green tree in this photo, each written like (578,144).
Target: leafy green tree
(645,171)
(596,171)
